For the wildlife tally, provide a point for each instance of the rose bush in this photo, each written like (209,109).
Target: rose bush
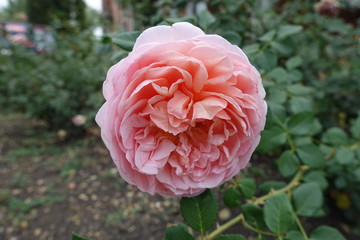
(183,111)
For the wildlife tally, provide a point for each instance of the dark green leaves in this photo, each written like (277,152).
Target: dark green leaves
(200,212)
(125,40)
(326,233)
(278,213)
(77,237)
(230,237)
(248,187)
(299,90)
(301,123)
(308,199)
(232,37)
(266,60)
(294,235)
(355,128)
(205,19)
(288,30)
(267,186)
(311,155)
(293,62)
(232,197)
(288,163)
(271,139)
(317,177)
(254,215)
(335,136)
(344,156)
(251,49)
(178,232)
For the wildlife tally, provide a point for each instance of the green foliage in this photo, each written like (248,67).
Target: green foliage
(125,40)
(232,197)
(178,232)
(288,163)
(247,187)
(62,14)
(56,86)
(308,199)
(78,237)
(254,214)
(278,213)
(200,212)
(230,237)
(326,233)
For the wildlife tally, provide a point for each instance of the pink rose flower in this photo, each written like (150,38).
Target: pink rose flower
(183,111)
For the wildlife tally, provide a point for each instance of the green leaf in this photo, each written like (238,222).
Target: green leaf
(191,20)
(232,37)
(301,104)
(126,40)
(300,123)
(200,212)
(295,75)
(268,36)
(232,197)
(77,237)
(253,214)
(355,128)
(251,49)
(317,177)
(271,139)
(326,233)
(277,95)
(294,235)
(278,213)
(278,113)
(230,237)
(293,62)
(344,156)
(303,140)
(247,187)
(288,163)
(281,47)
(308,199)
(178,232)
(279,75)
(268,185)
(299,90)
(288,30)
(205,19)
(266,60)
(311,155)
(335,136)
(357,173)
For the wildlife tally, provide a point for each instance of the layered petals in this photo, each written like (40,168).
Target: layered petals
(183,112)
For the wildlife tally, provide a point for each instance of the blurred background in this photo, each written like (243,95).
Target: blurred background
(56,176)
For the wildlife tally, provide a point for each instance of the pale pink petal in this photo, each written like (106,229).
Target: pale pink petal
(218,65)
(208,108)
(179,105)
(160,34)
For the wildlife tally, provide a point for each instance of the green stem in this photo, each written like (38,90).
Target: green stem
(248,226)
(302,230)
(223,227)
(261,200)
(291,143)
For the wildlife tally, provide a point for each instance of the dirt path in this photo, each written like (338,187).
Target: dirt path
(50,188)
